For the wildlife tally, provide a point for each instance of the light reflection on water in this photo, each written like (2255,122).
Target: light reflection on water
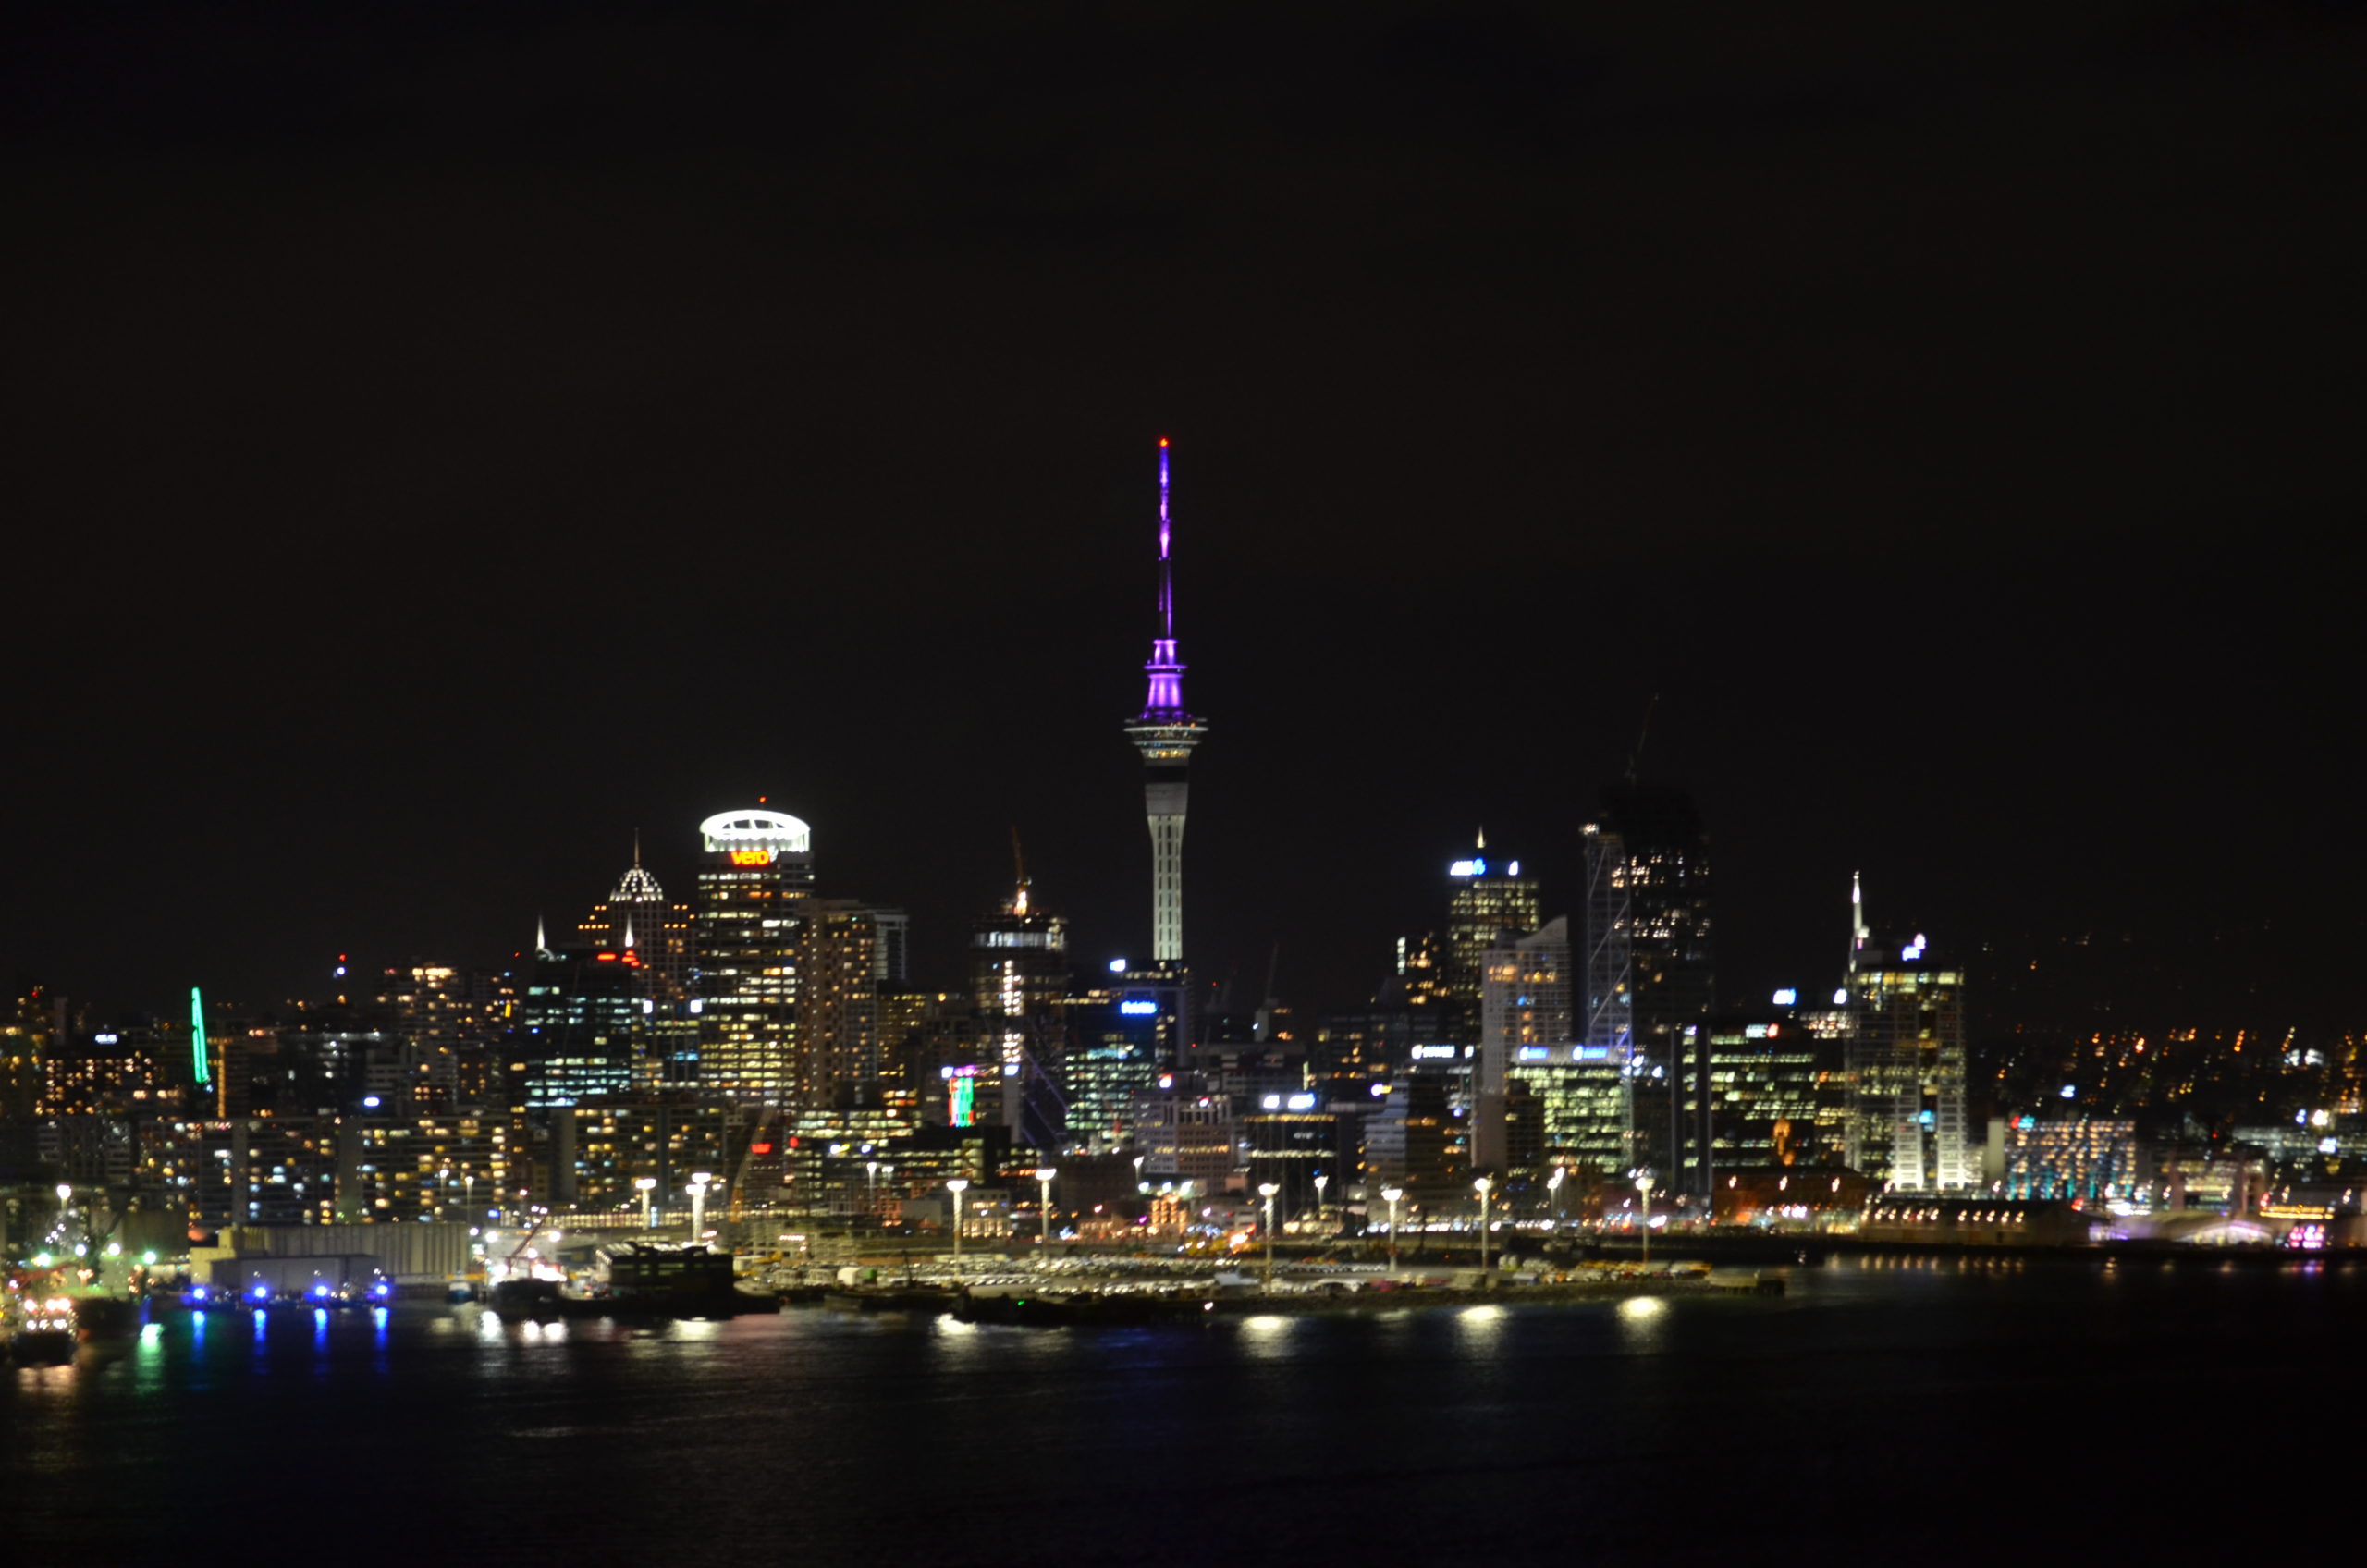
(1534,1415)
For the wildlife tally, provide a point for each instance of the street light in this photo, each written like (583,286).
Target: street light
(699,1179)
(1321,1181)
(1266,1190)
(1393,1195)
(1044,1174)
(1481,1185)
(1139,1186)
(871,1186)
(444,1198)
(957,1187)
(1644,1191)
(647,1186)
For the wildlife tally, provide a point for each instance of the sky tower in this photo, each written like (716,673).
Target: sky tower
(1165,735)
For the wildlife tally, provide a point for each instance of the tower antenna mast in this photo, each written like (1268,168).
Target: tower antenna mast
(1165,732)
(1636,757)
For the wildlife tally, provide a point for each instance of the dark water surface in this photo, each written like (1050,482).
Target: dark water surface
(1928,1409)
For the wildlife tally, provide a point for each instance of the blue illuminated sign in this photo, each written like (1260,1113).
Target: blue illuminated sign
(1133,1009)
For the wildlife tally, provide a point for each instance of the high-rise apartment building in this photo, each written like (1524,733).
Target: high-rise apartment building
(755,877)
(1649,958)
(836,1055)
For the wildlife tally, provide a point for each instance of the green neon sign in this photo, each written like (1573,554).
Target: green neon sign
(197,1036)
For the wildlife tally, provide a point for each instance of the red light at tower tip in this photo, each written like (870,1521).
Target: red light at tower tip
(1162,440)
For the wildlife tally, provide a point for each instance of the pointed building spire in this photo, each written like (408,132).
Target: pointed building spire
(1018,904)
(1483,839)
(1165,703)
(1858,930)
(628,932)
(542,938)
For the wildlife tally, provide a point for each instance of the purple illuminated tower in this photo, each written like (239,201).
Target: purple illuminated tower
(1165,735)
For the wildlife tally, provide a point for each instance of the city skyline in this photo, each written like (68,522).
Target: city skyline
(600,938)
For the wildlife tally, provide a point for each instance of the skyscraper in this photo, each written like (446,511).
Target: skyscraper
(1019,977)
(1488,902)
(1531,1052)
(579,1027)
(1648,966)
(1165,733)
(756,876)
(635,918)
(1904,1053)
(837,1054)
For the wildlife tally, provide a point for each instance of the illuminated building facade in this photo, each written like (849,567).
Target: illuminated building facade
(1123,1039)
(1760,1092)
(1409,1135)
(1649,958)
(1019,978)
(636,918)
(1488,903)
(450,1025)
(1290,1143)
(756,876)
(1534,1062)
(1905,1055)
(837,1055)
(2093,1160)
(613,1143)
(114,1073)
(1527,1033)
(29,1031)
(1165,733)
(451,1167)
(1187,1138)
(580,1028)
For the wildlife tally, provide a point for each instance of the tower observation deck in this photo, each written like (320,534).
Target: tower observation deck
(1165,733)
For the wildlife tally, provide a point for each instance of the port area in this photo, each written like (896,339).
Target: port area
(1154,1295)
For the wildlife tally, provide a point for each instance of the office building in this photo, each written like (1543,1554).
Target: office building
(580,1029)
(1019,980)
(756,876)
(1908,1122)
(1758,1093)
(1648,953)
(1488,902)
(1533,1063)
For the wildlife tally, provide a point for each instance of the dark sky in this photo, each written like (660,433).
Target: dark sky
(442,441)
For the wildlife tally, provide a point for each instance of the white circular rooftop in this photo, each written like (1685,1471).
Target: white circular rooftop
(755,828)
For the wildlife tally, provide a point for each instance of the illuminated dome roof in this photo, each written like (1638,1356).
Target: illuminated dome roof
(753,828)
(637,886)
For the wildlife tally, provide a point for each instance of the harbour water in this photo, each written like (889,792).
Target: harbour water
(1923,1409)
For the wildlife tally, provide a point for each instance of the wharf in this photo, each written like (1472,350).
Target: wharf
(1064,1301)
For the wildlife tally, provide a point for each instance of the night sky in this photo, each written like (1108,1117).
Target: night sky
(442,441)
